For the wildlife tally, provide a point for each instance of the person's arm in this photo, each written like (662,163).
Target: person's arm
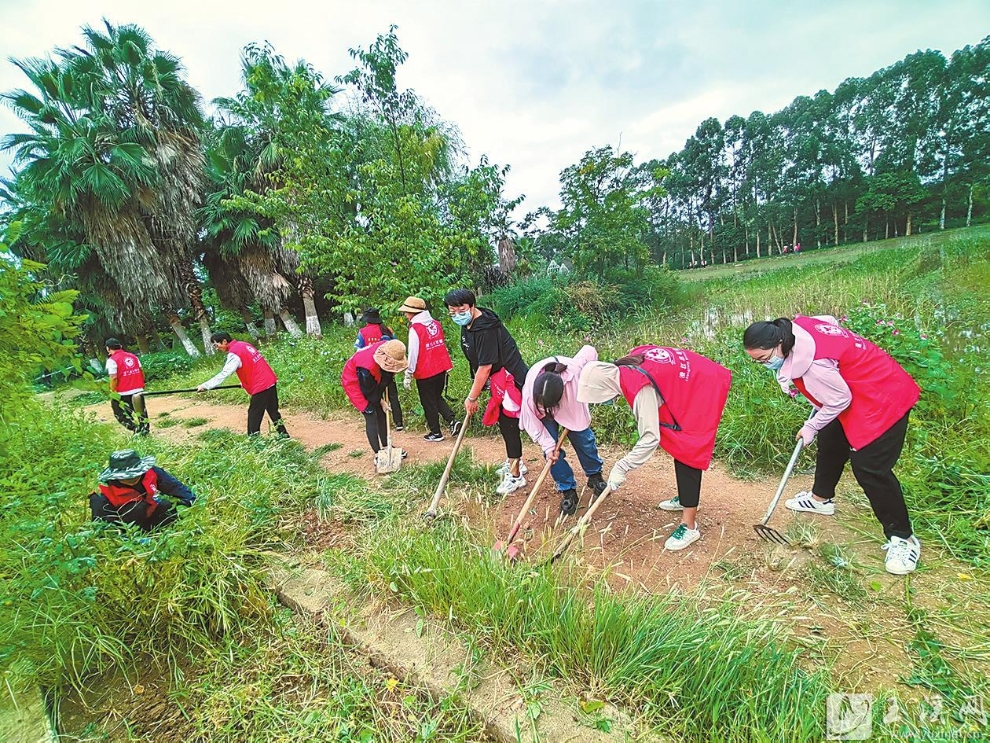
(359,341)
(824,382)
(412,353)
(480,379)
(231,365)
(369,388)
(112,373)
(531,421)
(171,485)
(646,411)
(586,355)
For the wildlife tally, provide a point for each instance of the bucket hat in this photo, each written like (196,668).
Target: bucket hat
(125,464)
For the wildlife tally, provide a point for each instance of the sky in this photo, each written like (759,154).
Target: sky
(534,84)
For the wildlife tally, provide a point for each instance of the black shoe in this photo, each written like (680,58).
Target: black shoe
(597,485)
(455,427)
(398,427)
(434,437)
(568,502)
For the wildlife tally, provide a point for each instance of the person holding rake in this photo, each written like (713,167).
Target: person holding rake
(549,402)
(677,398)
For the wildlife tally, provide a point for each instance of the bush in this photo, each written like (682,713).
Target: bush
(163,364)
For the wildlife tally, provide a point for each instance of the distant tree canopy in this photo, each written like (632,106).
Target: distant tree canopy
(301,196)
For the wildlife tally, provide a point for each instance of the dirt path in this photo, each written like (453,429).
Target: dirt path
(864,637)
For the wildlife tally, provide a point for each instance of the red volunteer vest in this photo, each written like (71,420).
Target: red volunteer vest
(120,495)
(433,357)
(882,392)
(254,373)
(129,374)
(372,333)
(363,359)
(694,391)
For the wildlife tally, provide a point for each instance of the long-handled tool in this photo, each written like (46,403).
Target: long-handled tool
(431,512)
(191,389)
(579,526)
(389,459)
(513,552)
(768,533)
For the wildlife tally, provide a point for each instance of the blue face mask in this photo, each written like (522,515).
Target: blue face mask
(462,318)
(774,363)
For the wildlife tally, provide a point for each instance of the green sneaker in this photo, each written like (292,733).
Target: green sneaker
(681,538)
(674,504)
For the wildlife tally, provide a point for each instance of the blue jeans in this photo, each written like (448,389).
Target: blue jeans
(587,454)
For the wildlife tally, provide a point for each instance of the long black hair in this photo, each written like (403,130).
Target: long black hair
(769,334)
(548,388)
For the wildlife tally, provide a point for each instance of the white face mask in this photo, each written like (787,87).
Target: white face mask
(774,363)
(462,318)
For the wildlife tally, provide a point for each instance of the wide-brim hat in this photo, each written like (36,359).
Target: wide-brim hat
(371,315)
(125,464)
(391,356)
(413,304)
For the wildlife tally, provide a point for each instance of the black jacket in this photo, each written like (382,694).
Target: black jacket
(488,341)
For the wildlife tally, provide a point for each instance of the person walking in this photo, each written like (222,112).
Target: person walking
(429,364)
(131,489)
(126,386)
(366,377)
(549,403)
(375,330)
(677,398)
(495,362)
(256,377)
(863,399)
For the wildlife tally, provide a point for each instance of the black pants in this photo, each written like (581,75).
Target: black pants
(131,412)
(262,402)
(434,406)
(393,402)
(376,427)
(688,484)
(135,512)
(873,468)
(509,428)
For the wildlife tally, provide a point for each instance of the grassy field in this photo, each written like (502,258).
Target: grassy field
(79,598)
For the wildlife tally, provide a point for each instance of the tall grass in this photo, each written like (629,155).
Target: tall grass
(695,673)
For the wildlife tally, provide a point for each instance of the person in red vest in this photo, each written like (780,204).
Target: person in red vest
(365,377)
(863,398)
(429,362)
(677,398)
(373,331)
(131,490)
(256,377)
(126,386)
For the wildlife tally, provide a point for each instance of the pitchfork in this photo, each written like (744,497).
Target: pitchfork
(768,533)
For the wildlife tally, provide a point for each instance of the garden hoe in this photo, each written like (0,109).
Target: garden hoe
(511,551)
(579,526)
(389,459)
(768,533)
(431,512)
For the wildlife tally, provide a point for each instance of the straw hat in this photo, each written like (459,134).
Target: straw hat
(413,304)
(391,356)
(125,464)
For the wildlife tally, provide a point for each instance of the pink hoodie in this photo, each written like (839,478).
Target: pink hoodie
(822,379)
(570,414)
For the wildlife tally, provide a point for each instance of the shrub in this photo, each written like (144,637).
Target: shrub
(163,364)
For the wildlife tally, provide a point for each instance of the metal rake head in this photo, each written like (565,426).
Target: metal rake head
(769,534)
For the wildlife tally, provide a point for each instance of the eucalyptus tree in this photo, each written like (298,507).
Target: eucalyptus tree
(114,150)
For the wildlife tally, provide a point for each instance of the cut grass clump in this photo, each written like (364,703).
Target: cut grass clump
(195,422)
(696,673)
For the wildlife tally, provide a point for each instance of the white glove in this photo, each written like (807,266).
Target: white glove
(407,382)
(616,478)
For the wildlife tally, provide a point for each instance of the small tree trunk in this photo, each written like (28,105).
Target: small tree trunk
(249,323)
(794,240)
(180,333)
(866,227)
(969,210)
(835,219)
(270,327)
(757,243)
(348,320)
(204,329)
(941,216)
(886,229)
(194,290)
(309,305)
(143,345)
(907,227)
(289,323)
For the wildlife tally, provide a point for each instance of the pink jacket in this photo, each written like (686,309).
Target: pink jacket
(571,414)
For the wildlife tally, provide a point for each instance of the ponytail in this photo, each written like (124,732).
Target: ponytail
(632,360)
(769,334)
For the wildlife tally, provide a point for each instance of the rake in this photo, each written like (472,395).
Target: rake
(768,533)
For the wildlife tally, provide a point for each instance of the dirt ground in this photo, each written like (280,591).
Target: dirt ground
(864,637)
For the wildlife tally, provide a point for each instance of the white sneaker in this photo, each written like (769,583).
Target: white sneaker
(510,484)
(804,501)
(681,538)
(674,504)
(503,469)
(902,555)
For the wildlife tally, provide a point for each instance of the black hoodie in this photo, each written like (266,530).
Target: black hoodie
(487,341)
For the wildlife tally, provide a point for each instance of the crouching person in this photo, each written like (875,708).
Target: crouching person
(131,490)
(365,377)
